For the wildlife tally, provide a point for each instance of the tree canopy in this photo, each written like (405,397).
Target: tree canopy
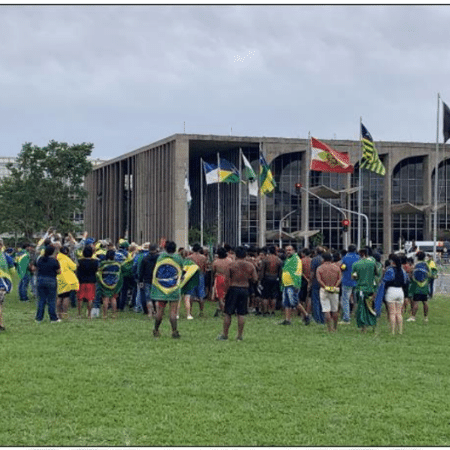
(45,188)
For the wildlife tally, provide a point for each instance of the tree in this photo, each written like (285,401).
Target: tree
(45,188)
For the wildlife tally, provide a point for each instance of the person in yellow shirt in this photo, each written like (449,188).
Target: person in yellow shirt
(67,281)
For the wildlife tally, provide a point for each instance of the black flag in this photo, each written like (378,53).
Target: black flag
(446,122)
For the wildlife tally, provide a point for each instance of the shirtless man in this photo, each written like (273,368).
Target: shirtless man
(270,272)
(197,293)
(220,274)
(242,273)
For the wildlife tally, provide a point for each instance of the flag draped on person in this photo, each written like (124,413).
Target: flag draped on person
(370,159)
(446,122)
(291,274)
(5,276)
(266,180)
(327,159)
(211,173)
(228,172)
(250,175)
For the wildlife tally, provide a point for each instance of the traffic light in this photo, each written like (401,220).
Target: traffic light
(345,225)
(298,187)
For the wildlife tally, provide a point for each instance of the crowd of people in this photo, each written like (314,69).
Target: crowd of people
(329,287)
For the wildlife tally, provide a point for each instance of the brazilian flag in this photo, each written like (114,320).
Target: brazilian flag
(172,277)
(109,278)
(22,261)
(292,272)
(5,277)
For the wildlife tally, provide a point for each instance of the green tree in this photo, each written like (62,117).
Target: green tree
(45,188)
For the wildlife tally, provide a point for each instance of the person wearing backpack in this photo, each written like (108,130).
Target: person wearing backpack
(419,287)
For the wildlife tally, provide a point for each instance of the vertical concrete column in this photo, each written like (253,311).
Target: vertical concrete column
(180,227)
(306,161)
(387,199)
(428,167)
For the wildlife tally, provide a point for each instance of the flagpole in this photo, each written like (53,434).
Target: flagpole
(436,181)
(306,208)
(240,200)
(186,241)
(359,236)
(201,202)
(218,202)
(258,202)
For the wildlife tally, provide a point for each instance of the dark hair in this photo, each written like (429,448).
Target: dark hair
(49,250)
(396,260)
(336,257)
(110,255)
(87,251)
(196,248)
(306,251)
(420,255)
(170,247)
(363,252)
(352,248)
(64,250)
(327,256)
(241,252)
(221,253)
(227,247)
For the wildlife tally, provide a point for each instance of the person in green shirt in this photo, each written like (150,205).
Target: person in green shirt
(364,272)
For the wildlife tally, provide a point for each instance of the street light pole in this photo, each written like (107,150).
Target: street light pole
(280,229)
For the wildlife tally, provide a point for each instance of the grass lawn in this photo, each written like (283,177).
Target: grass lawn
(110,383)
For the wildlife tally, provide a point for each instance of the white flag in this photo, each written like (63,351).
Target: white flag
(251,177)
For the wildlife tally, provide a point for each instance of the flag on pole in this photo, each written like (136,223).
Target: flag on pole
(228,172)
(370,159)
(266,179)
(327,159)
(251,177)
(446,122)
(187,189)
(211,173)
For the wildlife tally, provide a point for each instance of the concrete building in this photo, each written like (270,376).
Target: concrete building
(141,194)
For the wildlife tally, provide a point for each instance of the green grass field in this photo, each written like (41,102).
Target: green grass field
(110,383)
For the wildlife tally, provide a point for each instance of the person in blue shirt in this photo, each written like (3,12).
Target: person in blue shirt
(347,283)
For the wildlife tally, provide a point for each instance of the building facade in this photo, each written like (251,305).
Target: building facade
(141,195)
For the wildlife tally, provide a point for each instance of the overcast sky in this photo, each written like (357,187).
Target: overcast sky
(123,77)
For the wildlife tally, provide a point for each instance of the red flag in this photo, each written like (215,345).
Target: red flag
(326,159)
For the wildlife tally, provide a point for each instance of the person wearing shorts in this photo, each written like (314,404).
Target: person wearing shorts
(86,270)
(291,279)
(270,273)
(329,277)
(241,274)
(220,273)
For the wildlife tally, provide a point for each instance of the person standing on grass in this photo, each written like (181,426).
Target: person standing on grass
(392,287)
(329,277)
(419,289)
(6,263)
(364,272)
(166,286)
(109,282)
(291,280)
(348,283)
(241,274)
(47,269)
(433,273)
(67,281)
(145,278)
(86,270)
(305,298)
(220,274)
(315,287)
(198,293)
(270,280)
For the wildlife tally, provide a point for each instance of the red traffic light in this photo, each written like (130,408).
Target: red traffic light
(298,186)
(345,223)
